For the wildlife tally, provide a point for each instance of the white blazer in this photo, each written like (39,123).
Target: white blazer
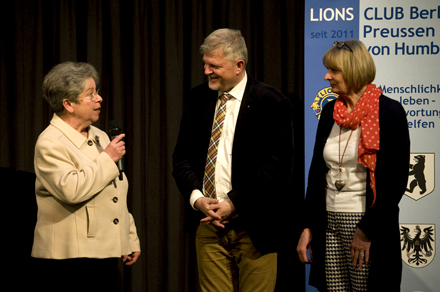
(82,204)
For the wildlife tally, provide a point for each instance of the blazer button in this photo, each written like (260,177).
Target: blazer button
(116,221)
(115,200)
(90,142)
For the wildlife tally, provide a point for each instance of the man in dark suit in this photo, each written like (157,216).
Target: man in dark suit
(232,163)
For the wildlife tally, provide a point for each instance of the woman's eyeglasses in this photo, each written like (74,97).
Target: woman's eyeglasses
(94,95)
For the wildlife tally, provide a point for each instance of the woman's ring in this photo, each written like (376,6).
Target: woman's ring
(361,255)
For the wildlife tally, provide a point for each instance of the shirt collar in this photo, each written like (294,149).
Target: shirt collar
(238,91)
(73,135)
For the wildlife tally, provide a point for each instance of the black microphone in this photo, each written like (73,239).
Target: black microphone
(115,131)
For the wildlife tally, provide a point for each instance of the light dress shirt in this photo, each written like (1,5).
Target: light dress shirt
(224,155)
(352,198)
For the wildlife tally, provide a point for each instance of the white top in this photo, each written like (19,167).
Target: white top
(352,198)
(223,167)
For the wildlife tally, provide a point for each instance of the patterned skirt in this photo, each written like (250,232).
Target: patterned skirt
(340,275)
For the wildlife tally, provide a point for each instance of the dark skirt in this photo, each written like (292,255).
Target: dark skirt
(79,274)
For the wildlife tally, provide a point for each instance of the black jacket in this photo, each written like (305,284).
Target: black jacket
(261,156)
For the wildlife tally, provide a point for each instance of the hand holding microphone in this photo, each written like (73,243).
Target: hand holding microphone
(116,148)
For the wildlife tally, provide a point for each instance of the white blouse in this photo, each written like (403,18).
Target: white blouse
(352,197)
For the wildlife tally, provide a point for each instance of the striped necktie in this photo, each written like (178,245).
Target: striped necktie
(211,158)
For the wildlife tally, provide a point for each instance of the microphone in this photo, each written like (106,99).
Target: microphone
(115,131)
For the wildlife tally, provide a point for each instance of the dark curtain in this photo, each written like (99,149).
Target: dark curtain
(147,55)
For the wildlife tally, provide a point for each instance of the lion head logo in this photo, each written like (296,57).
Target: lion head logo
(324,95)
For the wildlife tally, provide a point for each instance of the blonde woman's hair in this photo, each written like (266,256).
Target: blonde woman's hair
(354,61)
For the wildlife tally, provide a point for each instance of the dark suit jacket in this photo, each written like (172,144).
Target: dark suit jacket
(380,222)
(261,156)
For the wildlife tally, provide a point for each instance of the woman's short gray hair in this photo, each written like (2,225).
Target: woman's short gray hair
(230,41)
(66,81)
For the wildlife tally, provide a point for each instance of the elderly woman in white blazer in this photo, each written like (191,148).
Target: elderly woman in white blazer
(83,224)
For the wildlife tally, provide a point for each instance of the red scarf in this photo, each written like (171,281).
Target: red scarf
(365,113)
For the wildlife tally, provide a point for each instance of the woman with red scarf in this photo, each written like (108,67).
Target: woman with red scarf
(357,177)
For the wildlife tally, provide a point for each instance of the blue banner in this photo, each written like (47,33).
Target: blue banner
(325,23)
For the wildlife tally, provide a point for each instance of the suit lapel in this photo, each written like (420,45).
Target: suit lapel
(211,100)
(244,110)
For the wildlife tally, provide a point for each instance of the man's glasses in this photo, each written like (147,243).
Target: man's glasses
(342,45)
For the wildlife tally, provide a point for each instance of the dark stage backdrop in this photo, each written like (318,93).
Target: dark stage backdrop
(147,55)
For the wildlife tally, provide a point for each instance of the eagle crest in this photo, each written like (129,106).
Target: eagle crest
(418,247)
